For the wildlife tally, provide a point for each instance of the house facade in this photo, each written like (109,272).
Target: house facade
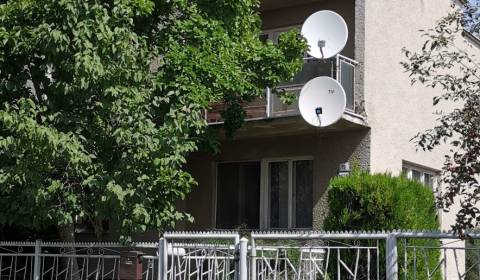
(274,173)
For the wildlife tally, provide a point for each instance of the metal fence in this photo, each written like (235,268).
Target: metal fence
(307,255)
(263,256)
(189,255)
(71,261)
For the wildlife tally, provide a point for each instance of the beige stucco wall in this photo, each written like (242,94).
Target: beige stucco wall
(397,111)
(327,149)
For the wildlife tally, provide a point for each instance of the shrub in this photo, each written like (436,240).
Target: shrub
(362,201)
(379,202)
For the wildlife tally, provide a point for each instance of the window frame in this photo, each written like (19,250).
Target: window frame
(264,207)
(274,33)
(215,184)
(265,190)
(409,167)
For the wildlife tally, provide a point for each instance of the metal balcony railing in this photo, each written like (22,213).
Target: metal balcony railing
(340,68)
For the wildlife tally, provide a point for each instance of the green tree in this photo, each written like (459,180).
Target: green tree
(446,64)
(102,100)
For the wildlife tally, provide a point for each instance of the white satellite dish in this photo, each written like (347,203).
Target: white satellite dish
(322,101)
(326,33)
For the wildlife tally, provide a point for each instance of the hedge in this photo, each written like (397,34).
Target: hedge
(362,201)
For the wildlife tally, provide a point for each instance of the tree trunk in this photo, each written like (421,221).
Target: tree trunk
(67,234)
(98,228)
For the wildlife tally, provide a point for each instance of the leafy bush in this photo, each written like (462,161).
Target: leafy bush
(362,201)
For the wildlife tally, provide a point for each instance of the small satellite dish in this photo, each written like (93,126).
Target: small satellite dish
(322,101)
(326,33)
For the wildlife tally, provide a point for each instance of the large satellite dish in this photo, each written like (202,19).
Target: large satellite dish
(322,101)
(326,33)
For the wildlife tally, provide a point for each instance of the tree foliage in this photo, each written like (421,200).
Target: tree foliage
(446,64)
(102,100)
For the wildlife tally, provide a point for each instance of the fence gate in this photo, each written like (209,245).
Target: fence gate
(200,255)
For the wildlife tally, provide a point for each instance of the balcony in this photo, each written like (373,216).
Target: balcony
(270,106)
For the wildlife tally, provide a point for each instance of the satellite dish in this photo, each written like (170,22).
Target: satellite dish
(326,33)
(322,101)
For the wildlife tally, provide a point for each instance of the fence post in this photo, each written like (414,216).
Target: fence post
(253,260)
(243,272)
(269,102)
(37,259)
(162,259)
(391,257)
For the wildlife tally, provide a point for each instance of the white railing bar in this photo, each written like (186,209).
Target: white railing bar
(353,114)
(203,246)
(308,249)
(434,235)
(200,235)
(246,120)
(308,58)
(16,255)
(98,245)
(269,102)
(348,60)
(353,235)
(290,87)
(81,256)
(319,235)
(441,248)
(207,257)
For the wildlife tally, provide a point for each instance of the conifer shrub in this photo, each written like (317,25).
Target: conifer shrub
(377,202)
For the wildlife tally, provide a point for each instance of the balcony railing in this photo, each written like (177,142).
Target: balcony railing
(270,105)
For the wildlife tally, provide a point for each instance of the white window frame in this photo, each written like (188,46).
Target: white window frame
(409,167)
(265,190)
(264,210)
(274,33)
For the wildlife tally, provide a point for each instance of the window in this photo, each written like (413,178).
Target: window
(264,194)
(426,176)
(238,195)
(416,175)
(287,194)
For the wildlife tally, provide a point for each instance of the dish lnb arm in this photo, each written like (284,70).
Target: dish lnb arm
(321,45)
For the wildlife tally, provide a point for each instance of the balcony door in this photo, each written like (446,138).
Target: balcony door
(264,194)
(287,193)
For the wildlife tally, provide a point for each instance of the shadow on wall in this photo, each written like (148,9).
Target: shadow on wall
(326,150)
